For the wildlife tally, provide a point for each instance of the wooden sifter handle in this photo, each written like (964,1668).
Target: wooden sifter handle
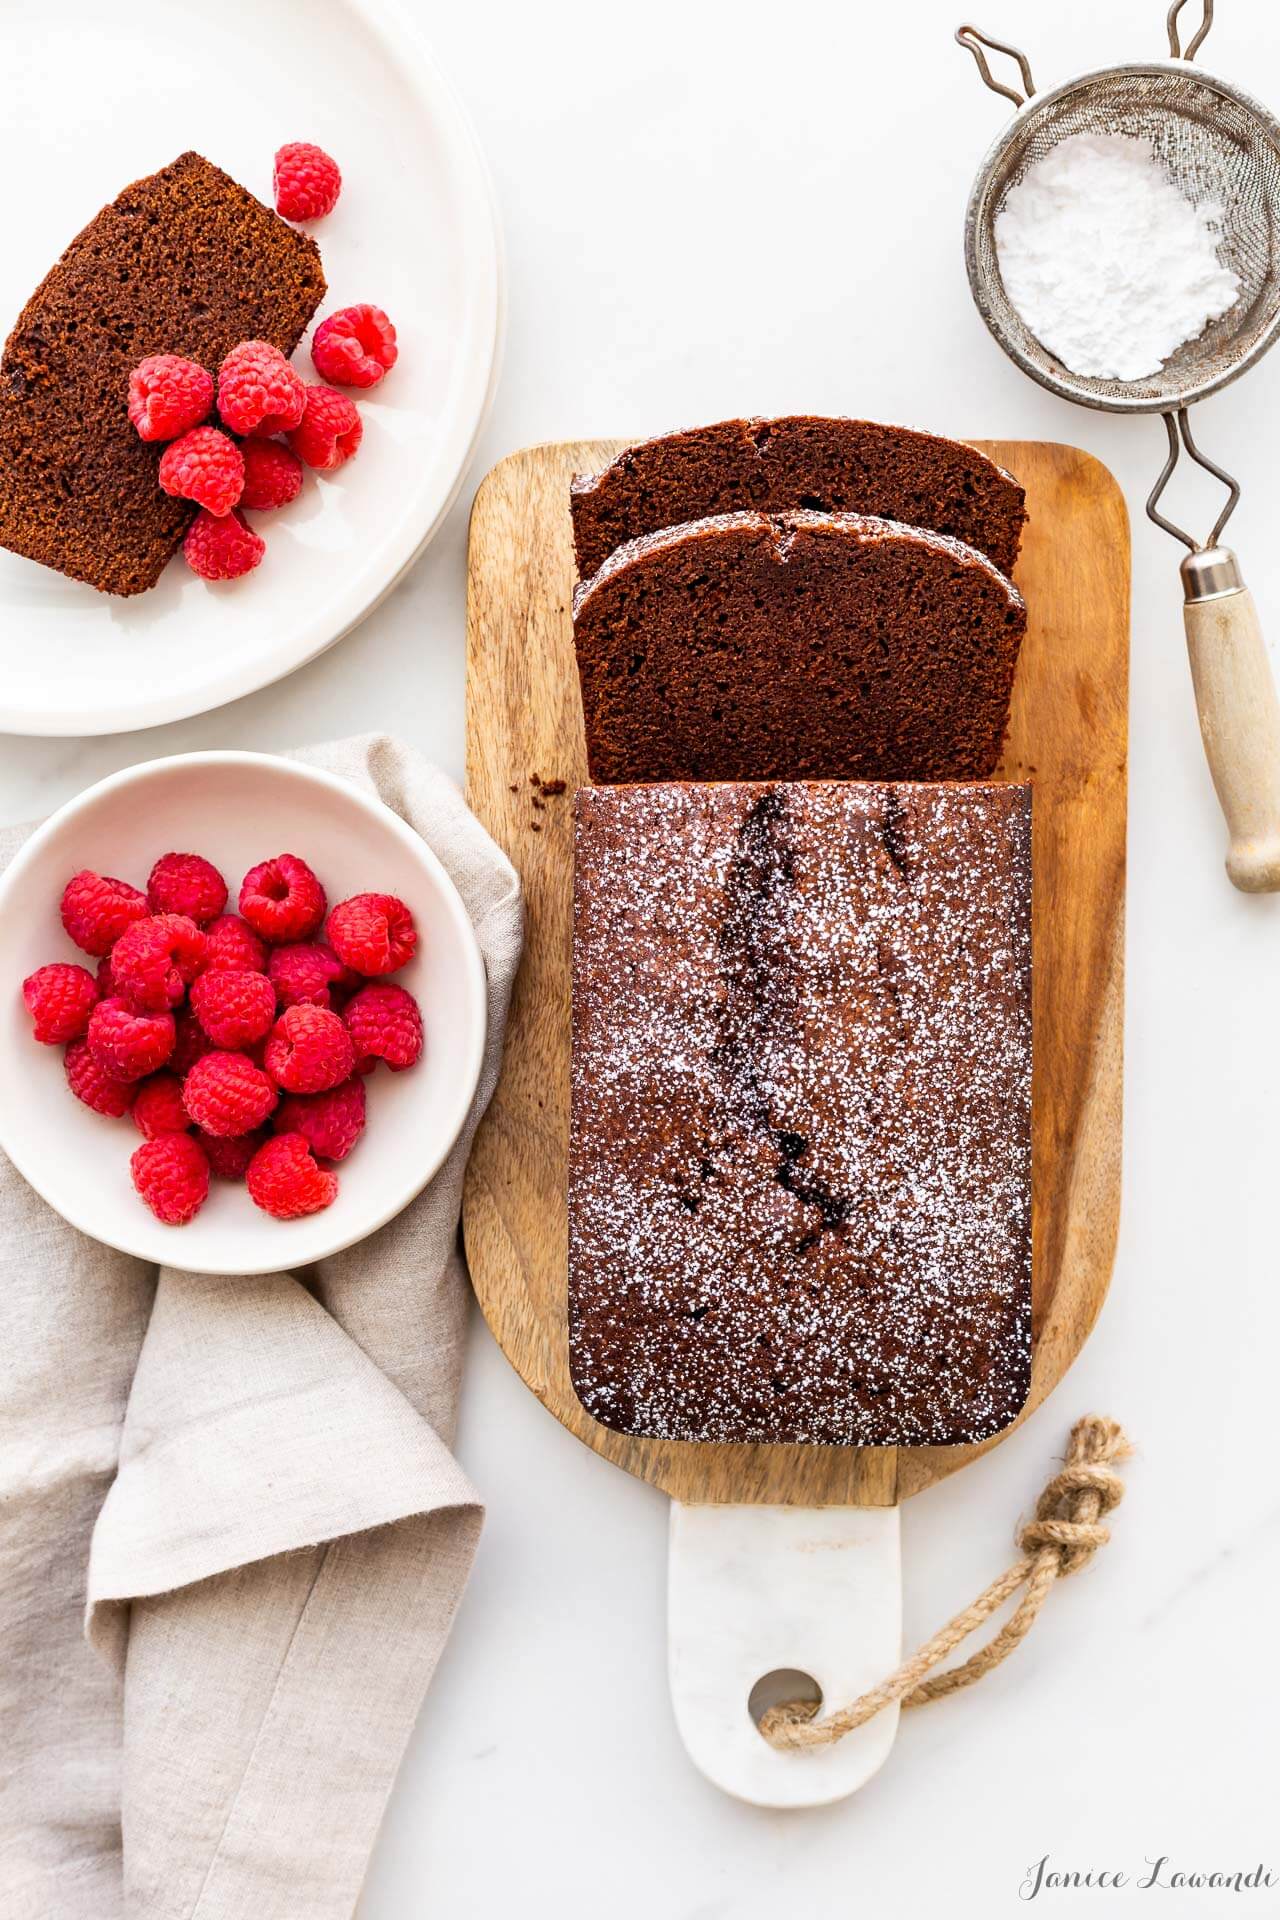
(1239,713)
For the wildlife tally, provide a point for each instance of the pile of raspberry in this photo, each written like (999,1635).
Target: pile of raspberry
(239,1043)
(271,422)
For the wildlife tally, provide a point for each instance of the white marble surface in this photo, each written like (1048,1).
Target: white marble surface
(722,207)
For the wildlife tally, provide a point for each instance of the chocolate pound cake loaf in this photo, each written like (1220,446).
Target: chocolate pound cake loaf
(182,262)
(803,646)
(771,466)
(800,1163)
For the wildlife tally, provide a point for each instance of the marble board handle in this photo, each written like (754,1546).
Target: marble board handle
(754,1591)
(1239,713)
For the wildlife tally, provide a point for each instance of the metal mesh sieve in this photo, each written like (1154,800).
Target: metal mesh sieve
(1215,143)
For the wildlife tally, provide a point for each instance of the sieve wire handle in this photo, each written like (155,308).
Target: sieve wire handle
(1198,39)
(980,44)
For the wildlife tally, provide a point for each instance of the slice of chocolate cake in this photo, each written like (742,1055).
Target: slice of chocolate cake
(800,1161)
(184,261)
(804,646)
(772,466)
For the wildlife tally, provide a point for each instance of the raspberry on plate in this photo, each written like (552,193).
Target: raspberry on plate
(157,1106)
(60,998)
(96,910)
(308,974)
(306,181)
(282,899)
(258,391)
(309,1050)
(190,1044)
(168,395)
(373,933)
(155,960)
(330,430)
(330,1123)
(229,1159)
(355,347)
(222,549)
(285,1181)
(234,945)
(89,1080)
(235,1008)
(206,466)
(129,1045)
(226,1095)
(385,1024)
(186,883)
(272,475)
(172,1175)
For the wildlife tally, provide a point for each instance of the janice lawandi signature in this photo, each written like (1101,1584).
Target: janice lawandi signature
(1159,1873)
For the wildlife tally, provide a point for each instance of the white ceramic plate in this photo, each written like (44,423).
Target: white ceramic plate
(237,809)
(102,94)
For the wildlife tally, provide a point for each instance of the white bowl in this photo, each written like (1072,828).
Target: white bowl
(237,809)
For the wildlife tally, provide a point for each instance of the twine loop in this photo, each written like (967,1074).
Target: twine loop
(1063,1536)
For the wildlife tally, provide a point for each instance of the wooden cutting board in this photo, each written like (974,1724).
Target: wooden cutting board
(525,756)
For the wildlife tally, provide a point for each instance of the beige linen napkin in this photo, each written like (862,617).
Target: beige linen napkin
(279,1533)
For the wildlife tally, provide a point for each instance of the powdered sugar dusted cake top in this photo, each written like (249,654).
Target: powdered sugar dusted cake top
(800,1165)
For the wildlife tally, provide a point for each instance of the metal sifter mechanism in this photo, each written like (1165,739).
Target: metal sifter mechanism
(1214,142)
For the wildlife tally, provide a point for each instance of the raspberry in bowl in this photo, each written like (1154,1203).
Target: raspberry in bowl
(99,1061)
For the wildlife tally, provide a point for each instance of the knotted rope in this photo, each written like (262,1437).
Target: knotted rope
(1063,1537)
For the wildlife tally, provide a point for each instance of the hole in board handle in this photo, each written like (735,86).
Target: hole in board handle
(776,1688)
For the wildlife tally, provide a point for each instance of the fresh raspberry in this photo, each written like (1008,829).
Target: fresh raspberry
(309,1050)
(190,1044)
(226,1094)
(330,431)
(258,391)
(89,1080)
(272,475)
(168,395)
(96,910)
(385,1024)
(234,1008)
(306,181)
(282,899)
(60,999)
(308,975)
(172,1175)
(355,347)
(229,1159)
(223,549)
(373,933)
(186,883)
(155,960)
(129,1045)
(330,1123)
(285,1181)
(205,466)
(158,1108)
(234,946)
